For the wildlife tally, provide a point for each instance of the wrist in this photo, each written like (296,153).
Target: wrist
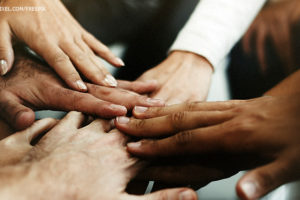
(192,59)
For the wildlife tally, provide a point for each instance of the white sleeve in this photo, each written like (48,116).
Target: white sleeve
(215,26)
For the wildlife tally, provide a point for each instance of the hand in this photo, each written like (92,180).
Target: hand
(59,39)
(33,86)
(14,147)
(263,131)
(183,76)
(78,162)
(274,23)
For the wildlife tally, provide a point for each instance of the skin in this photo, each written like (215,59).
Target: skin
(259,134)
(93,160)
(32,86)
(57,37)
(177,77)
(274,23)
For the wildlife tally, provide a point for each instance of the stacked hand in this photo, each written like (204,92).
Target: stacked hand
(32,86)
(182,77)
(262,133)
(72,161)
(57,37)
(275,23)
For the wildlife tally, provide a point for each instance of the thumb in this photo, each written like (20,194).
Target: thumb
(14,113)
(174,194)
(6,50)
(37,128)
(262,180)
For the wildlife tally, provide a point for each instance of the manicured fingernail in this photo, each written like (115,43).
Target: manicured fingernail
(3,67)
(249,189)
(186,195)
(120,62)
(134,144)
(118,107)
(81,85)
(123,120)
(140,109)
(155,101)
(111,81)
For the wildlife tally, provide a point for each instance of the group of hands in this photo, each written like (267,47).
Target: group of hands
(185,144)
(179,145)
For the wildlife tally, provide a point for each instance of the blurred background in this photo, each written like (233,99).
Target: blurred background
(141,31)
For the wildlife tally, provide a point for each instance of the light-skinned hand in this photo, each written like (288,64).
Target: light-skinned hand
(58,38)
(182,77)
(77,161)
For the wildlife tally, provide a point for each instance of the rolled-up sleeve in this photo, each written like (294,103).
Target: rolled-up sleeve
(215,26)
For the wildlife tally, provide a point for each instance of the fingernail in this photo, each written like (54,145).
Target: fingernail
(111,81)
(134,144)
(123,120)
(3,67)
(118,107)
(249,189)
(81,85)
(120,62)
(155,101)
(140,109)
(186,195)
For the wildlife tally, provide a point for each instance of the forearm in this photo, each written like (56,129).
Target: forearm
(288,86)
(215,26)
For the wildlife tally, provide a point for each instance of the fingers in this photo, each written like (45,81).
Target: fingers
(198,141)
(139,87)
(246,41)
(102,50)
(87,63)
(6,50)
(38,127)
(170,124)
(14,113)
(144,113)
(73,120)
(99,125)
(262,180)
(260,46)
(69,100)
(122,97)
(174,194)
(62,64)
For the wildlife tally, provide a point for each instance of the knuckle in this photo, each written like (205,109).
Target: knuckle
(177,119)
(3,50)
(61,57)
(183,138)
(78,102)
(80,57)
(238,109)
(191,106)
(241,125)
(140,124)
